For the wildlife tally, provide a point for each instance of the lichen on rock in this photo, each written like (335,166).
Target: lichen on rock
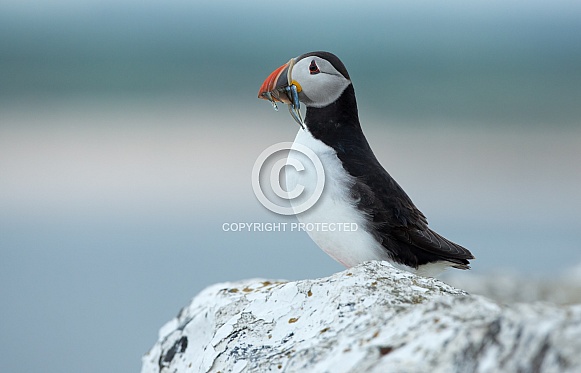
(370,318)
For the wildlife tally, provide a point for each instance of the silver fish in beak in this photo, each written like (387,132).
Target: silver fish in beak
(276,88)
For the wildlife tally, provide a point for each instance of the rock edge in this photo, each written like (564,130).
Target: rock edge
(369,318)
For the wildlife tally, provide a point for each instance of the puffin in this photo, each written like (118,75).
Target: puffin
(384,223)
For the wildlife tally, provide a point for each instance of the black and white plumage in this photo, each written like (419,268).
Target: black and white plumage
(357,188)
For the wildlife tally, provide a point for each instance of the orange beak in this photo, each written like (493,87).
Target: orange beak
(272,89)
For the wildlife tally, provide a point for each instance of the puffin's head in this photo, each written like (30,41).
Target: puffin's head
(316,79)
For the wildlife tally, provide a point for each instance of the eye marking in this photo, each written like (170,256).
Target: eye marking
(313,68)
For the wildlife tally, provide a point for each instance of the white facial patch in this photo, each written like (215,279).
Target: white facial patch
(322,88)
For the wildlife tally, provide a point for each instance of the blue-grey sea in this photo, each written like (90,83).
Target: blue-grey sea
(129,130)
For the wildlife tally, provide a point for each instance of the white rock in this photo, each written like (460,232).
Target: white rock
(370,318)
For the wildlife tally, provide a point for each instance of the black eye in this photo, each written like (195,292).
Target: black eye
(313,68)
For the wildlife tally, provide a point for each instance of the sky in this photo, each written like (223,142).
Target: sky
(128,133)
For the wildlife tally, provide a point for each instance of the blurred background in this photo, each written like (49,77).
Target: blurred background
(128,132)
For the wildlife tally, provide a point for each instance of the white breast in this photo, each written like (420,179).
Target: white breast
(334,209)
(336,206)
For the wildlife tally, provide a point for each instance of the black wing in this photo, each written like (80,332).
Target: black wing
(399,225)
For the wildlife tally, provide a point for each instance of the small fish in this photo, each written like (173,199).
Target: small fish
(295,106)
(269,97)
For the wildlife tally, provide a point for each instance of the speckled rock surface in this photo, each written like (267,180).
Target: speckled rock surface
(370,318)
